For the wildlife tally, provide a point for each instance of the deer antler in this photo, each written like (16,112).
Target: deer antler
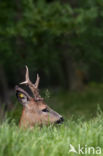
(33,87)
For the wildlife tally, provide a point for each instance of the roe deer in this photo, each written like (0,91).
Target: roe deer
(35,110)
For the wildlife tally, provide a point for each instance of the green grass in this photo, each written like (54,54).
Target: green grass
(83,125)
(51,141)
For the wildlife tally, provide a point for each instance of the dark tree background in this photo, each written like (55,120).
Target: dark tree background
(61,40)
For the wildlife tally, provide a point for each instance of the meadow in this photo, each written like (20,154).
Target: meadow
(83,126)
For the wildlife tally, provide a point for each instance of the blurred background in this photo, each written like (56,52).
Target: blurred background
(62,40)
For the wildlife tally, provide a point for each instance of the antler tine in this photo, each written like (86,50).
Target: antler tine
(27,80)
(37,81)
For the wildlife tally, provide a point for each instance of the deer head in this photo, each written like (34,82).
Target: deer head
(35,110)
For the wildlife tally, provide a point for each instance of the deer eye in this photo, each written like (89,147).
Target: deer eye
(45,110)
(21,96)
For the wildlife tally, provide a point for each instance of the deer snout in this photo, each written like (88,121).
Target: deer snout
(60,120)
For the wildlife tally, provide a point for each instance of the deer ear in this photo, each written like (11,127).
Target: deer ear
(22,96)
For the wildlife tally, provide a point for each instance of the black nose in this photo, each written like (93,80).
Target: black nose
(60,120)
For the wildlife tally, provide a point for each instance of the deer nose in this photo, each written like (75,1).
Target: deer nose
(60,120)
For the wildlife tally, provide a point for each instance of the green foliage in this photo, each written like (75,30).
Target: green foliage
(14,114)
(35,33)
(78,105)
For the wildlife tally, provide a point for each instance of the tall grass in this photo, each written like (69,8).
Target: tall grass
(52,140)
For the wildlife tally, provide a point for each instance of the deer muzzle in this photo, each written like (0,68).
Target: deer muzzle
(61,120)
